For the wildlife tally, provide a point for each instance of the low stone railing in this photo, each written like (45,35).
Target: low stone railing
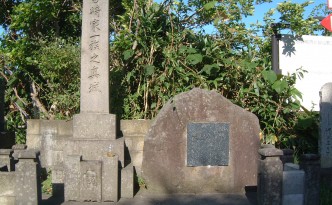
(281,182)
(19,176)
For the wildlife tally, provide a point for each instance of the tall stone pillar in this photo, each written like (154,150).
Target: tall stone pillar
(94,153)
(325,141)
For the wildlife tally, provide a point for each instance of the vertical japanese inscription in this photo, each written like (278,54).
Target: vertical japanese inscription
(326,125)
(94,46)
(95,57)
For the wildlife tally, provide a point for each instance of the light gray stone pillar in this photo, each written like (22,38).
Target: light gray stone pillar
(72,177)
(326,125)
(270,170)
(127,182)
(110,178)
(27,183)
(95,57)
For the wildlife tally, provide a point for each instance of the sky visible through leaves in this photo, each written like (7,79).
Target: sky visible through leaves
(260,10)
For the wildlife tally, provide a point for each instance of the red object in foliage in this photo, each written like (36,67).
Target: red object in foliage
(327,22)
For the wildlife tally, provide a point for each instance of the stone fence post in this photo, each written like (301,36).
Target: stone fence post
(6,160)
(270,172)
(27,183)
(310,165)
(287,156)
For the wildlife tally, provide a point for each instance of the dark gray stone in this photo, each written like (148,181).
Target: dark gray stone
(309,163)
(270,172)
(287,156)
(164,166)
(208,144)
(7,140)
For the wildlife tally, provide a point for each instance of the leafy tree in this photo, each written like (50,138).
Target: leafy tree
(157,51)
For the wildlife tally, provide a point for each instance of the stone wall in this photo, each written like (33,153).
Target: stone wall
(21,185)
(50,137)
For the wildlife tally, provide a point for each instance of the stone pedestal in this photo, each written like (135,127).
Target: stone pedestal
(6,160)
(270,172)
(28,185)
(94,126)
(94,156)
(93,159)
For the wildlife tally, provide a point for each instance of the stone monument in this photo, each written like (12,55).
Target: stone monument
(326,126)
(94,155)
(200,142)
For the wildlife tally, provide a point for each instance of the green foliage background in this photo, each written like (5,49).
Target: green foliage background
(157,51)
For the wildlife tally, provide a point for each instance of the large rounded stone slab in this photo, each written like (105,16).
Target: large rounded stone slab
(165,168)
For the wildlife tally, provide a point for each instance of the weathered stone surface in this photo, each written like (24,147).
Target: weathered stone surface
(72,177)
(270,172)
(95,57)
(95,126)
(26,154)
(293,182)
(326,125)
(292,199)
(292,186)
(165,151)
(309,163)
(90,189)
(7,200)
(27,183)
(207,144)
(270,152)
(110,178)
(7,181)
(19,146)
(95,149)
(6,160)
(135,127)
(127,182)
